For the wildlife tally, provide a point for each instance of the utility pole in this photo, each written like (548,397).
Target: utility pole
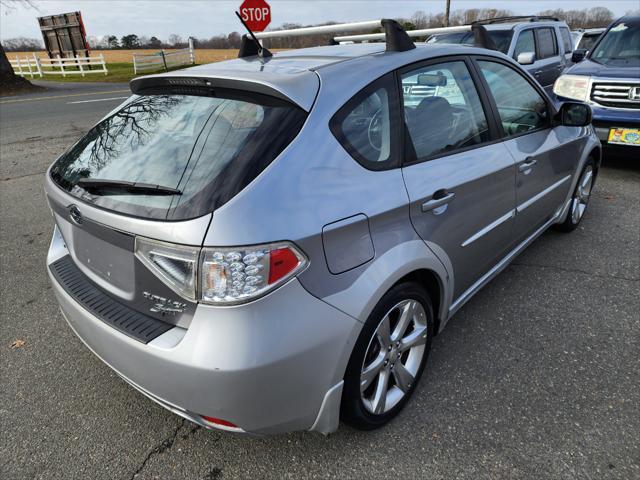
(447,9)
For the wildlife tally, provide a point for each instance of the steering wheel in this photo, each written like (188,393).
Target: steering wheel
(374,132)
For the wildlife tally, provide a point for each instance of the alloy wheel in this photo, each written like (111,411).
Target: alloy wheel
(394,356)
(582,194)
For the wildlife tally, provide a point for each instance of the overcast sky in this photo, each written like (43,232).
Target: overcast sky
(205,19)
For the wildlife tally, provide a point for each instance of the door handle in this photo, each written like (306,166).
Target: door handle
(440,198)
(537,72)
(527,165)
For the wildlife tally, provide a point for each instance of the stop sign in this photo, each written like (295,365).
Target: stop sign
(256,14)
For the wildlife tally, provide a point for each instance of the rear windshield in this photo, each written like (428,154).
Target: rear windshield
(502,38)
(208,147)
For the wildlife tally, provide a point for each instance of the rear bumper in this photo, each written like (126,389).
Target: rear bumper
(270,366)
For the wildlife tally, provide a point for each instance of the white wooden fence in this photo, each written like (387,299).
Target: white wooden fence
(163,60)
(77,65)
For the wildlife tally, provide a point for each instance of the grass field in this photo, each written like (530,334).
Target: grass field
(120,63)
(118,72)
(206,55)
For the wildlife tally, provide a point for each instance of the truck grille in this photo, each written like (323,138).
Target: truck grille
(614,94)
(418,91)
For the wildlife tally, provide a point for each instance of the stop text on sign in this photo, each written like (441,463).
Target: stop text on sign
(255,14)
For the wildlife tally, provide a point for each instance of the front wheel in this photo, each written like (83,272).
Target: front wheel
(580,198)
(388,358)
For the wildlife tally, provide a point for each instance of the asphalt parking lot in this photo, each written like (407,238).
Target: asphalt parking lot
(536,377)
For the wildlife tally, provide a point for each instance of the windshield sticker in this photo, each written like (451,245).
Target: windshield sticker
(619,28)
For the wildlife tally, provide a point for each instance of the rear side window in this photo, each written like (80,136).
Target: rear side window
(546,42)
(501,39)
(207,147)
(520,106)
(525,43)
(566,39)
(589,40)
(366,125)
(442,109)
(464,38)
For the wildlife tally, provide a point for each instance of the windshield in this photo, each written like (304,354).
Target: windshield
(588,40)
(619,46)
(502,38)
(206,148)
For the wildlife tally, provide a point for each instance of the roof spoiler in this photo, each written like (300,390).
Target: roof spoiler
(395,36)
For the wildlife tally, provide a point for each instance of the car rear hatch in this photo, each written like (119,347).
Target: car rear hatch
(156,168)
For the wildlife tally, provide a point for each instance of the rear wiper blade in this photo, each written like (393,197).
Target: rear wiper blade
(116,187)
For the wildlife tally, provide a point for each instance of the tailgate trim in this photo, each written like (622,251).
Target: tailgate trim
(132,323)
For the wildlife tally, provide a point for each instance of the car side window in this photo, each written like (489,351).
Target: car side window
(442,109)
(566,39)
(520,106)
(525,43)
(365,127)
(546,43)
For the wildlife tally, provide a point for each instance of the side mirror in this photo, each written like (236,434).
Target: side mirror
(578,55)
(575,114)
(526,58)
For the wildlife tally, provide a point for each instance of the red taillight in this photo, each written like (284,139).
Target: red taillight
(281,262)
(219,421)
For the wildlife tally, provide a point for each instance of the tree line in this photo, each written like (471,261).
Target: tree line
(585,18)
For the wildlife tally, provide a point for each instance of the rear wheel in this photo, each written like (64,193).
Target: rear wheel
(388,357)
(580,198)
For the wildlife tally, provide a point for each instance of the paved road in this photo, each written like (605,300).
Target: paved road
(537,377)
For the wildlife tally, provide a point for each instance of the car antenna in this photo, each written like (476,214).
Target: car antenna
(251,46)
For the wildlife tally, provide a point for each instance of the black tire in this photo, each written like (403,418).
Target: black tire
(353,410)
(570,223)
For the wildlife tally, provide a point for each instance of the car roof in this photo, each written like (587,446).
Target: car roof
(295,74)
(511,26)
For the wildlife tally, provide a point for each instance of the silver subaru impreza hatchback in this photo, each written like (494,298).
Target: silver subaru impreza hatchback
(270,244)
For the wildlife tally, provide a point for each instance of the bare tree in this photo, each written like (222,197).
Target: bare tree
(8,78)
(22,44)
(132,125)
(175,40)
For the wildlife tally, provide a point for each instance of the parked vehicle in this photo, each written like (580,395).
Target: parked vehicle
(270,243)
(542,45)
(608,79)
(585,38)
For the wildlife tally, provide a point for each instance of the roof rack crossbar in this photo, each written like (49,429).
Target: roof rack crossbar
(395,36)
(411,33)
(531,18)
(480,34)
(335,28)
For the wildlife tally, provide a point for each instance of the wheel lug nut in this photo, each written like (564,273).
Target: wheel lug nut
(389,348)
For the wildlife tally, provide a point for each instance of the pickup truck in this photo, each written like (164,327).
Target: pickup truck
(542,45)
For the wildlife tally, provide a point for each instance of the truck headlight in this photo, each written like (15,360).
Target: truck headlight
(575,87)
